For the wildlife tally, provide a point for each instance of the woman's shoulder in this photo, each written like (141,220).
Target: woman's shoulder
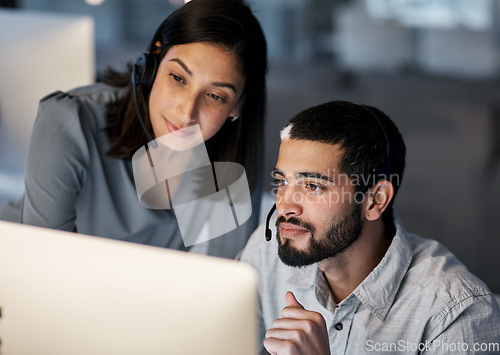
(97,94)
(90,101)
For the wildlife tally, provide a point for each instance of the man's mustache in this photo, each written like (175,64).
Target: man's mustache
(295,221)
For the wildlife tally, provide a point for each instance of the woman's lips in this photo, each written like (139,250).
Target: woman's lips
(176,130)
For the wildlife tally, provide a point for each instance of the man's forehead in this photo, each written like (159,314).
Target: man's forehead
(306,155)
(293,143)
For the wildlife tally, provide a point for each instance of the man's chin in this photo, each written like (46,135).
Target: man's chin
(293,257)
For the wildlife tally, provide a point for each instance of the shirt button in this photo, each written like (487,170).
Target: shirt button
(339,326)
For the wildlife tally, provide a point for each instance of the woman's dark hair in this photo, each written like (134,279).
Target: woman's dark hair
(227,23)
(368,137)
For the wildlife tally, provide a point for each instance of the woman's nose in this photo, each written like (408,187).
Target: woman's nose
(189,110)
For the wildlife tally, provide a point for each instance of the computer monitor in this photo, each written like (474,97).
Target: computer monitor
(68,293)
(41,52)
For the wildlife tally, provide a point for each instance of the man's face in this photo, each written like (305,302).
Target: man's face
(318,216)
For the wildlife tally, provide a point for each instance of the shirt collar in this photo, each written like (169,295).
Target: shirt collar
(378,289)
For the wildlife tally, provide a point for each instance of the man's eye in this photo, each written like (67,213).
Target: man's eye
(279,182)
(314,187)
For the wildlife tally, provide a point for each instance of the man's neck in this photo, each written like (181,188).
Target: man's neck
(345,271)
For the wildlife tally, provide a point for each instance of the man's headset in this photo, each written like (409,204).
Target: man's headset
(383,171)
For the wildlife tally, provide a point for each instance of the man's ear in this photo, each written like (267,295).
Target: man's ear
(379,197)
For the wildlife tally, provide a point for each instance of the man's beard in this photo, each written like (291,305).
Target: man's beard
(340,236)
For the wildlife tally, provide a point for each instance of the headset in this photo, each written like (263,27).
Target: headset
(383,171)
(143,74)
(144,70)
(269,232)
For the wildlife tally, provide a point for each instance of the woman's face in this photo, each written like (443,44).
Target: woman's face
(196,83)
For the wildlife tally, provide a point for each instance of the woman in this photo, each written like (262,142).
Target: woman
(205,66)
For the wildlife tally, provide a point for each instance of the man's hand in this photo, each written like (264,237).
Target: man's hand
(299,331)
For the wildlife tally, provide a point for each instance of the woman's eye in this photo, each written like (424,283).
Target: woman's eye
(216,97)
(177,78)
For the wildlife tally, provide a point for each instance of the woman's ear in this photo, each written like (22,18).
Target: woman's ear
(379,197)
(239,104)
(237,109)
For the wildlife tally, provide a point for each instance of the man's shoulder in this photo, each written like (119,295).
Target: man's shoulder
(439,285)
(437,295)
(434,267)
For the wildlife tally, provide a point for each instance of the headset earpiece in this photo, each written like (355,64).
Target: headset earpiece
(146,66)
(143,74)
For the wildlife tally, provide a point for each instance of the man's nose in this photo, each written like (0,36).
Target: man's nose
(289,202)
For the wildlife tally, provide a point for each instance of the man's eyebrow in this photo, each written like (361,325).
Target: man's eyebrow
(219,84)
(277,172)
(307,174)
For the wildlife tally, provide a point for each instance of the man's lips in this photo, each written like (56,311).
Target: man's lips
(291,230)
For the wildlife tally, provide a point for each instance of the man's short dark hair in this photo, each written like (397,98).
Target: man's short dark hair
(364,133)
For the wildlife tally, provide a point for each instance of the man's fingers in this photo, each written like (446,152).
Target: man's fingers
(291,301)
(294,313)
(285,334)
(277,346)
(299,331)
(305,325)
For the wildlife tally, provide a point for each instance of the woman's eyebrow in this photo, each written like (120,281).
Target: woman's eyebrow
(225,85)
(219,84)
(181,63)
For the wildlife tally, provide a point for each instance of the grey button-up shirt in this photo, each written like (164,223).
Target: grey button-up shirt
(419,299)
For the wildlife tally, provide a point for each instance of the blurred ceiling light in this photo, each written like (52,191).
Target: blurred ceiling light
(473,14)
(94,2)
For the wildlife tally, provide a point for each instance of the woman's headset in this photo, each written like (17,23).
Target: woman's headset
(143,74)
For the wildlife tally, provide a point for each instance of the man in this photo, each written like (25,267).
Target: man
(347,277)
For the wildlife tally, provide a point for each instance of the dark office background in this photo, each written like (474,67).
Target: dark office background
(431,65)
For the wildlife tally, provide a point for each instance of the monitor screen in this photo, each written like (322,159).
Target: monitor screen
(67,293)
(41,52)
